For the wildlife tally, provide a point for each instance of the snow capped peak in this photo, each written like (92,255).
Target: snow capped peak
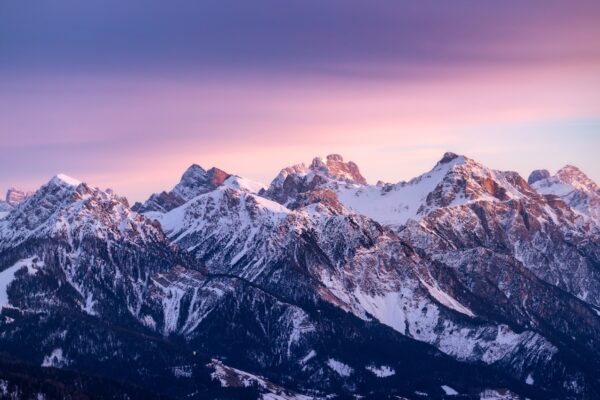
(65,179)
(196,180)
(65,208)
(335,167)
(454,180)
(572,175)
(448,156)
(294,185)
(575,188)
(193,171)
(449,160)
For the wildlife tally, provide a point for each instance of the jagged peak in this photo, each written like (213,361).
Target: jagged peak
(450,159)
(193,170)
(571,172)
(65,204)
(447,157)
(572,175)
(570,168)
(196,174)
(16,196)
(196,170)
(336,168)
(194,181)
(295,169)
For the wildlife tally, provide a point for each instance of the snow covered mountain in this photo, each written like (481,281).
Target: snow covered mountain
(463,281)
(454,180)
(573,187)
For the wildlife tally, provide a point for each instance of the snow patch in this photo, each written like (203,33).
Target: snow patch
(148,321)
(529,380)
(246,185)
(491,394)
(382,372)
(449,391)
(89,305)
(396,204)
(68,180)
(311,354)
(339,367)
(387,309)
(183,371)
(56,359)
(446,299)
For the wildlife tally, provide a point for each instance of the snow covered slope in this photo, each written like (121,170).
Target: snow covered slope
(462,281)
(66,208)
(572,186)
(454,180)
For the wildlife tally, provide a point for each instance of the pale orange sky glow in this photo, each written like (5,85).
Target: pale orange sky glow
(394,129)
(512,88)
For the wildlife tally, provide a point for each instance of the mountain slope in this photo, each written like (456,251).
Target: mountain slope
(325,252)
(463,280)
(572,186)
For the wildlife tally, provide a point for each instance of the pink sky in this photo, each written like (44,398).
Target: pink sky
(514,87)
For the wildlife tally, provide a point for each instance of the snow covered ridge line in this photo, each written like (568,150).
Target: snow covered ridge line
(68,180)
(455,180)
(67,208)
(263,280)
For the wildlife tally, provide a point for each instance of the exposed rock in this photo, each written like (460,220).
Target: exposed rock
(16,196)
(194,181)
(538,175)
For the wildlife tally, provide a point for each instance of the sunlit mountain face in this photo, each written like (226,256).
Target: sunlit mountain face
(299,200)
(463,281)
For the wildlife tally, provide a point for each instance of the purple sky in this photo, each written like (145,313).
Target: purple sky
(128,94)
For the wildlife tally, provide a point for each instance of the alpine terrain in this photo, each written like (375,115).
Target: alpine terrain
(462,283)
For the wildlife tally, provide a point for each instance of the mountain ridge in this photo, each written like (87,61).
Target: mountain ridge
(463,266)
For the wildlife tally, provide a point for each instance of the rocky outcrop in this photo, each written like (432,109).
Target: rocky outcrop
(576,189)
(538,175)
(16,196)
(194,181)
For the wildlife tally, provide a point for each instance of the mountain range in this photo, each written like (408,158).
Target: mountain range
(462,283)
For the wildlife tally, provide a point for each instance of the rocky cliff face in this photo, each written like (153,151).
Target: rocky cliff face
(573,187)
(463,280)
(16,196)
(13,198)
(194,181)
